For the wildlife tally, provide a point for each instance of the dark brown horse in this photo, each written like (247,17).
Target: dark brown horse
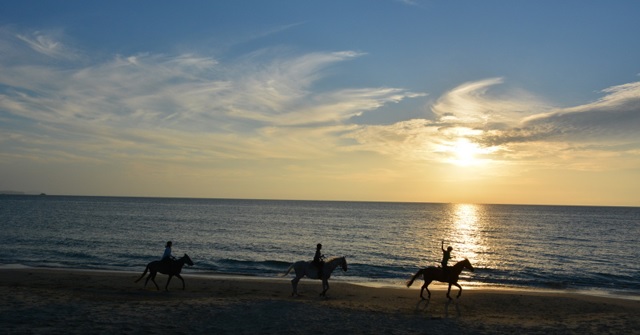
(435,273)
(171,268)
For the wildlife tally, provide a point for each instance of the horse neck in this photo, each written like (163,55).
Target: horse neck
(459,266)
(332,264)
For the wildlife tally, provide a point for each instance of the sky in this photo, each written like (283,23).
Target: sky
(489,102)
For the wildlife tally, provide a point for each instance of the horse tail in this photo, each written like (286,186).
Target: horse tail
(410,281)
(288,270)
(144,273)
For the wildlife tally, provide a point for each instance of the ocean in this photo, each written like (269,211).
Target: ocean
(578,248)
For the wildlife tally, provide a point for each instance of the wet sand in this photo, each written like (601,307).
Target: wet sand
(52,301)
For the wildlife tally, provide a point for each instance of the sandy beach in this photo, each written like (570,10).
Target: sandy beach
(52,301)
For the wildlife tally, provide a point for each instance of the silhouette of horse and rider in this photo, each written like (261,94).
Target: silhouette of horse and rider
(445,274)
(316,269)
(168,265)
(303,268)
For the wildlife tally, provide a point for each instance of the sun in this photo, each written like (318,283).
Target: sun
(464,152)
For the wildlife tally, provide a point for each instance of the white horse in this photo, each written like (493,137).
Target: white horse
(303,268)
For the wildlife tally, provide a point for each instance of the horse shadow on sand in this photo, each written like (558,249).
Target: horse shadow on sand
(423,306)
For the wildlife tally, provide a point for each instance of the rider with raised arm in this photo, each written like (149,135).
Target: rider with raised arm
(446,255)
(318,259)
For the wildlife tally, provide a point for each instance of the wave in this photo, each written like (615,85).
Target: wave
(247,267)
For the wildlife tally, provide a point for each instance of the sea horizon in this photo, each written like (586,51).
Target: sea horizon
(320,200)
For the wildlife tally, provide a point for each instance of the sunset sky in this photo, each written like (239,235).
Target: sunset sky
(516,102)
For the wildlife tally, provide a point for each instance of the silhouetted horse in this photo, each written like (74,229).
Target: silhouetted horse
(303,268)
(435,273)
(171,268)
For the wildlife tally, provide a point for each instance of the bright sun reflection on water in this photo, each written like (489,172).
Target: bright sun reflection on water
(467,238)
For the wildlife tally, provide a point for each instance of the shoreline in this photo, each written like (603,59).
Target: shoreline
(37,300)
(381,283)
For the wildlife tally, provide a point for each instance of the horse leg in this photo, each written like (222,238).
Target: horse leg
(449,291)
(180,277)
(459,292)
(152,276)
(325,287)
(294,284)
(166,287)
(425,287)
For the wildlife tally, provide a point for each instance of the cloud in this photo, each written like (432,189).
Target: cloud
(470,104)
(409,2)
(612,118)
(614,115)
(517,128)
(262,105)
(47,43)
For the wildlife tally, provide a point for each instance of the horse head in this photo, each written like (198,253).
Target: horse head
(344,263)
(468,265)
(187,260)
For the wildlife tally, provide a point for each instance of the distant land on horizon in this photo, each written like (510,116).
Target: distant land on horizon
(12,192)
(7,192)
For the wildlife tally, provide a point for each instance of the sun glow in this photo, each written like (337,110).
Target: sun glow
(464,152)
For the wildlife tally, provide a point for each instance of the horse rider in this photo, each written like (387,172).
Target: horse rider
(446,255)
(318,259)
(167,257)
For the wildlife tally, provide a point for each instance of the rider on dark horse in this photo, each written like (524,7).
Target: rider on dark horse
(167,258)
(446,255)
(318,260)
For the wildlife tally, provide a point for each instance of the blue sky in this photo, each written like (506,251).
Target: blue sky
(439,101)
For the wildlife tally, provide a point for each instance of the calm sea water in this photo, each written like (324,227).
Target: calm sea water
(559,247)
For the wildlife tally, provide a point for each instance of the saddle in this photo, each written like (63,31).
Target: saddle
(318,266)
(167,263)
(444,273)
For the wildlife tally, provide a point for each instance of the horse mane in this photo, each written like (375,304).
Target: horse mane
(333,259)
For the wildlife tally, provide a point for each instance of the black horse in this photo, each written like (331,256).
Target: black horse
(435,273)
(172,268)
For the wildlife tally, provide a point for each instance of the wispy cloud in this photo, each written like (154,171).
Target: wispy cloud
(49,44)
(614,116)
(277,30)
(408,2)
(470,104)
(261,105)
